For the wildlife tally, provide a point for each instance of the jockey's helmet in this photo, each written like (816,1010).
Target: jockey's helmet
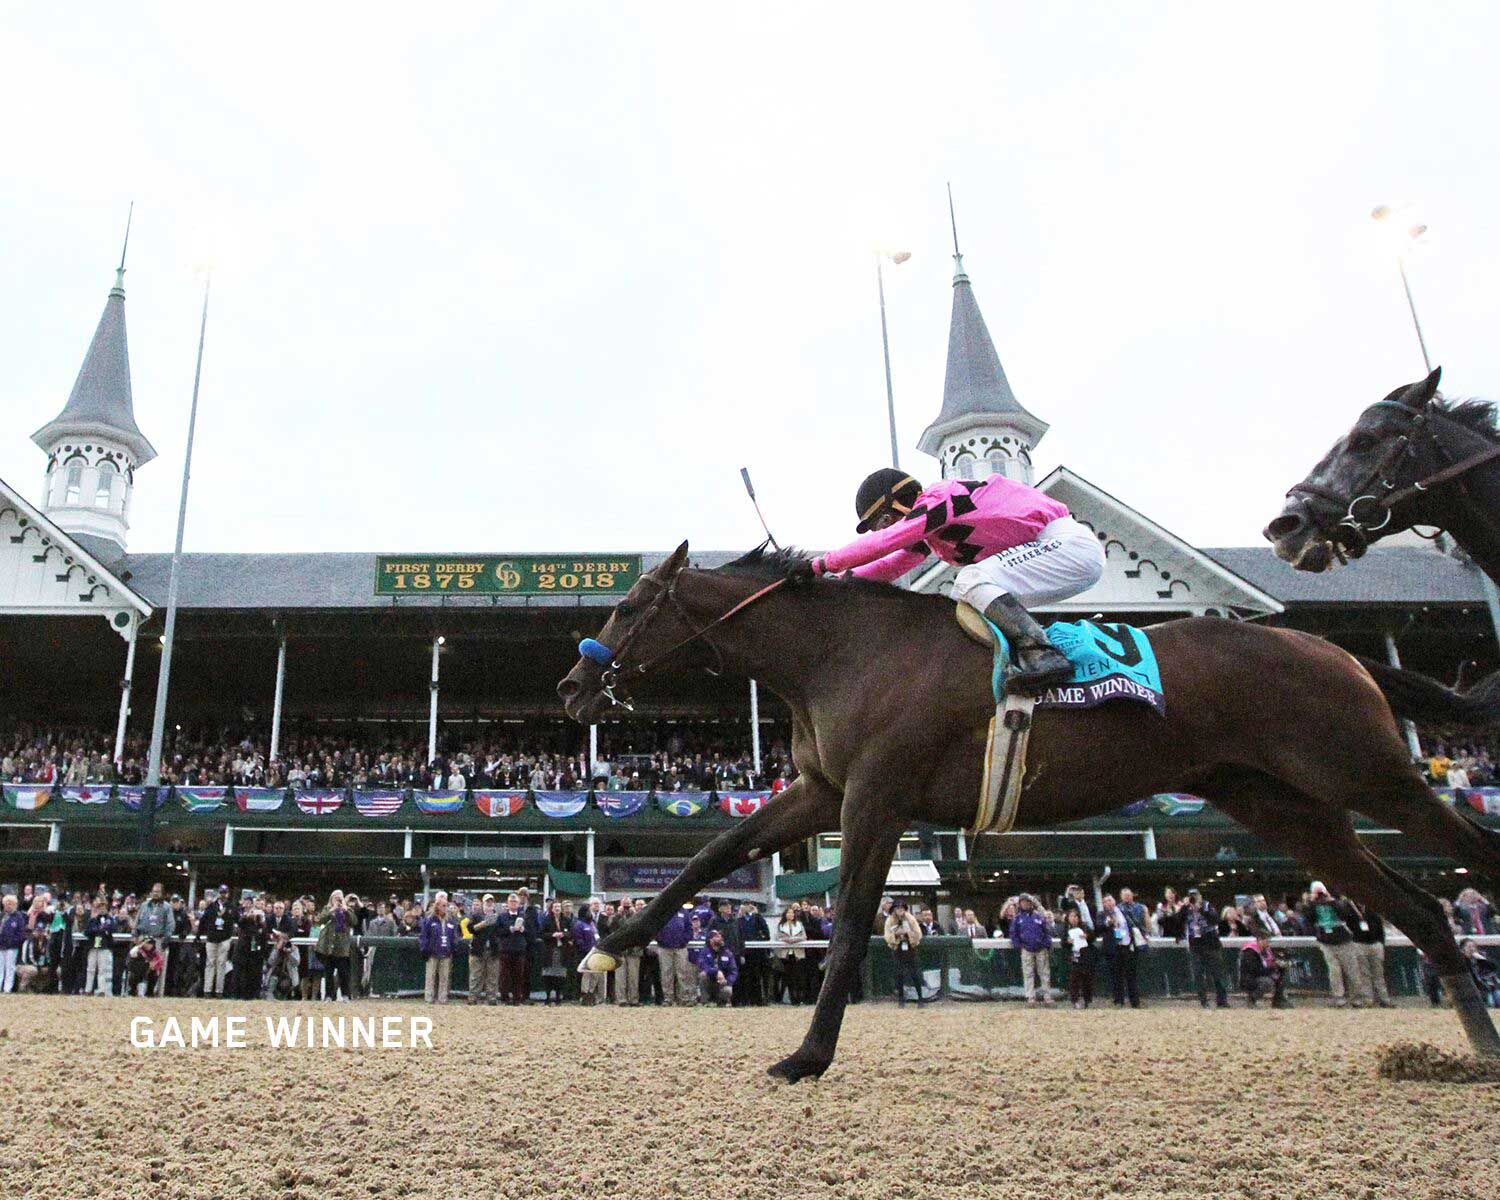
(886,490)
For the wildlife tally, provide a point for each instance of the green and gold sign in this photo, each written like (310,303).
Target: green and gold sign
(510,575)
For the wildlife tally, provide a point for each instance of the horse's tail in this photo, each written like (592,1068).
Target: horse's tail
(1418,698)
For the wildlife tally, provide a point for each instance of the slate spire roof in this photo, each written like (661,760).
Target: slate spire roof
(975,384)
(101,404)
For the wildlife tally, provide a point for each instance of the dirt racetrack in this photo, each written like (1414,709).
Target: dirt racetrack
(963,1101)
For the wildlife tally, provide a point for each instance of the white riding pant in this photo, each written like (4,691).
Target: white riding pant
(1065,559)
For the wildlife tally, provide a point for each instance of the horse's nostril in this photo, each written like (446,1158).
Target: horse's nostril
(567,689)
(1286,525)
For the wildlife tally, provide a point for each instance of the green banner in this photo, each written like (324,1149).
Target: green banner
(508,575)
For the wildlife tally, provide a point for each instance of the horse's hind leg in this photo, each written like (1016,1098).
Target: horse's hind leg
(1410,805)
(1323,839)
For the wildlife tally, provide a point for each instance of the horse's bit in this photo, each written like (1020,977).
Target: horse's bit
(666,593)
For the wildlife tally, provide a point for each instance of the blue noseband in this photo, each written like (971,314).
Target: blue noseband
(596,652)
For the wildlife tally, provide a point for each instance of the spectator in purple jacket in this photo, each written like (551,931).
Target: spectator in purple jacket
(1031,934)
(718,971)
(585,933)
(678,978)
(436,937)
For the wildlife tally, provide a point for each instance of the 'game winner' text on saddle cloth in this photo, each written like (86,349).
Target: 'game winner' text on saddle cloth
(1110,662)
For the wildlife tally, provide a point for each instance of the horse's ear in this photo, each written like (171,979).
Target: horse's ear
(676,561)
(1417,396)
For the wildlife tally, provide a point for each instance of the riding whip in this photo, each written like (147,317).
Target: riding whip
(750,487)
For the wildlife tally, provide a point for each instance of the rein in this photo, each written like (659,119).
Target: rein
(609,678)
(1357,532)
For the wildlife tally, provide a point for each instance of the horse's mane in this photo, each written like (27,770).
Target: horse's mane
(762,563)
(1476,415)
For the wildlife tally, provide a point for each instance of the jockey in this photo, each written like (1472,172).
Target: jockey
(1017,546)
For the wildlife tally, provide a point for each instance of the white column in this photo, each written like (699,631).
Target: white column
(1394,658)
(963,846)
(546,874)
(192,896)
(589,860)
(135,624)
(406,847)
(755,728)
(276,703)
(228,840)
(432,704)
(593,751)
(54,838)
(1149,841)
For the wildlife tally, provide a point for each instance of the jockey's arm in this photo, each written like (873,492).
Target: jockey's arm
(893,566)
(877,544)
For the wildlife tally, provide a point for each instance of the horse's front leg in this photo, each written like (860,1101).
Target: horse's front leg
(872,829)
(808,806)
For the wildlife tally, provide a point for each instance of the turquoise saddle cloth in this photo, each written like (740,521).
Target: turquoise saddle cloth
(1110,662)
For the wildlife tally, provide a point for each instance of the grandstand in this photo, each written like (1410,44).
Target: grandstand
(442,660)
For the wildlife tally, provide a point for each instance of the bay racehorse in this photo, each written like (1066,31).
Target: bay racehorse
(890,705)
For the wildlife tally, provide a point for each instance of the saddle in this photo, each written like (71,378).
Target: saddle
(1110,662)
(1009,732)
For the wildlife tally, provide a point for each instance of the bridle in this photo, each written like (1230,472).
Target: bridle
(1380,493)
(666,596)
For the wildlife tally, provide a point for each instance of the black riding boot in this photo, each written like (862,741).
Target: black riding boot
(1038,663)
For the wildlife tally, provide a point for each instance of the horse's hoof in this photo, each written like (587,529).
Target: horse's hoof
(597,960)
(796,1067)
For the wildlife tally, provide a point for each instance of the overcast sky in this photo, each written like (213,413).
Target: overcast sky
(548,278)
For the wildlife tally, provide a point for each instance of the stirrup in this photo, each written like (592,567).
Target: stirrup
(1035,681)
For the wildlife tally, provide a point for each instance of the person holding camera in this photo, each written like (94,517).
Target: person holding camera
(1123,943)
(144,966)
(1200,926)
(1329,917)
(155,920)
(903,935)
(336,945)
(1073,900)
(99,935)
(1262,967)
(251,940)
(216,926)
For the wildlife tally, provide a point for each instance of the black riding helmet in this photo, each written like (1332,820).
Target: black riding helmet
(886,488)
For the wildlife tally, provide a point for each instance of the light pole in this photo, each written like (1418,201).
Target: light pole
(1405,240)
(163,679)
(897,258)
(1408,238)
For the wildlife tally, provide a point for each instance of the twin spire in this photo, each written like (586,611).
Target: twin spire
(101,404)
(975,386)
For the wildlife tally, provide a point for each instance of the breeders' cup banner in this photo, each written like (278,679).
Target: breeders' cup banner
(627,875)
(508,575)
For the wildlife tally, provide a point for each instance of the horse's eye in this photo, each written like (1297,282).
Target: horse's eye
(1360,442)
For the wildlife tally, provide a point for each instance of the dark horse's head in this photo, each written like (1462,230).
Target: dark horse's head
(1342,505)
(648,622)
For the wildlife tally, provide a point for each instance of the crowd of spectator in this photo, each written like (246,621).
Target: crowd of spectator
(1460,764)
(258,946)
(543,756)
